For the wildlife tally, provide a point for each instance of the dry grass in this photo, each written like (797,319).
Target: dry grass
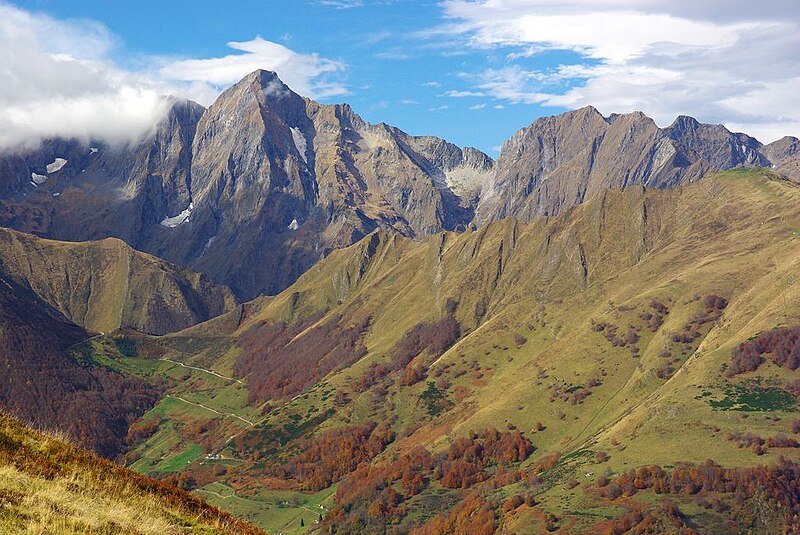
(49,486)
(73,505)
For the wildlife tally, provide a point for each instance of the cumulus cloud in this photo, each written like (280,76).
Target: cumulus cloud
(732,62)
(58,80)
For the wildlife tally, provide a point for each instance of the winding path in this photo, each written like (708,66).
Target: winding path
(215,411)
(212,372)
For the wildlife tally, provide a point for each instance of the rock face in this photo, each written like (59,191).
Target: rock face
(252,191)
(105,285)
(101,191)
(257,188)
(278,181)
(560,161)
(785,156)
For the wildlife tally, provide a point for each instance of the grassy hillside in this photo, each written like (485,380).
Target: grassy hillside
(106,285)
(45,382)
(50,486)
(607,337)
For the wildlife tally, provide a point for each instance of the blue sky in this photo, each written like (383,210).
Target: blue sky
(472,72)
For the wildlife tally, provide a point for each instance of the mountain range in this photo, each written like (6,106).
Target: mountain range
(320,324)
(258,187)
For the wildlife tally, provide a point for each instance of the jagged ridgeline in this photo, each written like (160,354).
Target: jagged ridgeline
(258,187)
(508,377)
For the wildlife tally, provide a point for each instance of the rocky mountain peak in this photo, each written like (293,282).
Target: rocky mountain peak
(683,123)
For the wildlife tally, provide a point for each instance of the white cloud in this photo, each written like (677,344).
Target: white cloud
(58,80)
(341,4)
(431,84)
(477,107)
(462,94)
(393,54)
(511,83)
(733,61)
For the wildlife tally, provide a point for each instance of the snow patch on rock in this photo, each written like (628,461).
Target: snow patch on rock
(300,142)
(293,225)
(183,217)
(38,179)
(56,165)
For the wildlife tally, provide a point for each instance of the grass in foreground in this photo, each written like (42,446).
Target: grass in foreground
(50,486)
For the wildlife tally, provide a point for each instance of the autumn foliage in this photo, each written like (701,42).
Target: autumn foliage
(46,386)
(434,338)
(777,486)
(324,459)
(782,345)
(474,515)
(712,308)
(374,493)
(282,360)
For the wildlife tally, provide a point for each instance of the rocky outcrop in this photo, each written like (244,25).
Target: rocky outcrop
(785,156)
(100,191)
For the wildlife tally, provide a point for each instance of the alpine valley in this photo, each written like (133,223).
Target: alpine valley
(317,324)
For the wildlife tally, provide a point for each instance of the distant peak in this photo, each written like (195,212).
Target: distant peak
(684,121)
(588,110)
(786,140)
(262,76)
(636,116)
(267,81)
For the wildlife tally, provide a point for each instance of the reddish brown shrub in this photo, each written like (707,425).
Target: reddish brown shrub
(280,361)
(782,344)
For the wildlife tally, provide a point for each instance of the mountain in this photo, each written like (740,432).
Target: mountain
(106,285)
(261,185)
(69,191)
(560,161)
(251,191)
(53,295)
(785,156)
(51,486)
(574,372)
